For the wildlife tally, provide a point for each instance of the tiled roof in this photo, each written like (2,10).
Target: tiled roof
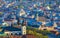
(28,36)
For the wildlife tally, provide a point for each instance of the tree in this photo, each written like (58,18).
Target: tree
(37,33)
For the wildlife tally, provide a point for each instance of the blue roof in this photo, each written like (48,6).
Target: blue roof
(10,28)
(27,4)
(49,24)
(34,24)
(20,21)
(1,32)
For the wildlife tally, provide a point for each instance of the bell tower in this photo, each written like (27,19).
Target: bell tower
(23,28)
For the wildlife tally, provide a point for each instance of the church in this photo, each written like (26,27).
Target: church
(11,30)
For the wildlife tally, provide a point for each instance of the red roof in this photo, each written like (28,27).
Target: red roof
(28,36)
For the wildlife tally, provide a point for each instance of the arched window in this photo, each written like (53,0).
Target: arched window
(11,33)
